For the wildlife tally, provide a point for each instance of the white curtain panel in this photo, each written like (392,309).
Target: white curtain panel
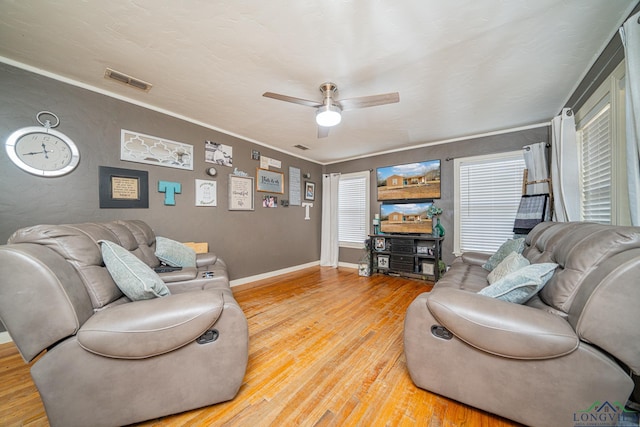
(630,34)
(329,248)
(564,167)
(535,160)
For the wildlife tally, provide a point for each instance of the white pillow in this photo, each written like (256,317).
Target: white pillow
(513,262)
(134,278)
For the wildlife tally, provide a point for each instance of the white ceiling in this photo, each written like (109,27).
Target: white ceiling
(462,67)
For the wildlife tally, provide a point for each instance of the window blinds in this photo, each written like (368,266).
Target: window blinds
(490,193)
(595,153)
(353,209)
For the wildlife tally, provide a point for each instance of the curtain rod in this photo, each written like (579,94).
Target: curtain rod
(527,148)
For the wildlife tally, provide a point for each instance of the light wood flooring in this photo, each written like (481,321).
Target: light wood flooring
(325,349)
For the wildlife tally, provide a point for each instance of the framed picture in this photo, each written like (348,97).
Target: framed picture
(309,190)
(269,181)
(140,148)
(217,153)
(240,193)
(383,261)
(379,243)
(123,188)
(422,250)
(428,268)
(206,194)
(269,201)
(411,181)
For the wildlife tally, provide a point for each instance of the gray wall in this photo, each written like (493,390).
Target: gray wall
(604,65)
(251,242)
(471,147)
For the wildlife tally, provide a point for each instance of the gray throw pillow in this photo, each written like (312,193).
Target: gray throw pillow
(513,262)
(511,245)
(134,278)
(174,253)
(519,286)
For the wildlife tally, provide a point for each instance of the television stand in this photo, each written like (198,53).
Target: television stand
(414,256)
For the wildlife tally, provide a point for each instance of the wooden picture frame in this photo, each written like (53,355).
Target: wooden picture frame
(241,193)
(309,190)
(268,181)
(123,188)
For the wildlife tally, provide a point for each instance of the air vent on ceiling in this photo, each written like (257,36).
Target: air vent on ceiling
(128,80)
(301,147)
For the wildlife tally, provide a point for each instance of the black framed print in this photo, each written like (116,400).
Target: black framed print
(123,188)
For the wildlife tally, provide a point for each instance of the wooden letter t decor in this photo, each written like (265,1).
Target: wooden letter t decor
(169,189)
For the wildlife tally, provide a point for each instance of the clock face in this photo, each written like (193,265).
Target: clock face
(43,152)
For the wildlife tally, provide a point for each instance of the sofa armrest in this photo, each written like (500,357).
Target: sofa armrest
(203,260)
(476,258)
(502,328)
(186,273)
(148,328)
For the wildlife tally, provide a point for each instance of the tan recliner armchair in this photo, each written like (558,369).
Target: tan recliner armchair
(107,361)
(558,359)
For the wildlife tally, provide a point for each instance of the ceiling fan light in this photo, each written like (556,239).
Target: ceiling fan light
(328,115)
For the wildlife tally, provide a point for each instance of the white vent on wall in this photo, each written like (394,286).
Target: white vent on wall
(128,80)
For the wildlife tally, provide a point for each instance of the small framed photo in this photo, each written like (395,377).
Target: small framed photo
(255,155)
(383,261)
(309,190)
(380,243)
(269,201)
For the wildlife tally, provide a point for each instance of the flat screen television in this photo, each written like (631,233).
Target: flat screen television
(410,218)
(410,181)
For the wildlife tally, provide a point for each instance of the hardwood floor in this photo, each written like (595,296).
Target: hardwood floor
(325,349)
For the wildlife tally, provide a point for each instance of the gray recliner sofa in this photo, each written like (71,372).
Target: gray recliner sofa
(106,360)
(564,357)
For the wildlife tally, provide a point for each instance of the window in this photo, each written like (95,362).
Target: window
(595,172)
(488,192)
(601,148)
(353,209)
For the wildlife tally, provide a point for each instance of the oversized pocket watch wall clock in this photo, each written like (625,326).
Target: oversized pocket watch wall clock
(43,151)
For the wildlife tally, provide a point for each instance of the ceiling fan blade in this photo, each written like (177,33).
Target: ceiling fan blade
(323,131)
(287,98)
(369,101)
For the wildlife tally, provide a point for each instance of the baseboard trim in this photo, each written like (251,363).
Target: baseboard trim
(348,265)
(5,337)
(249,279)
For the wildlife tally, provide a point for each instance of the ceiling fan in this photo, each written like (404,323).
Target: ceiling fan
(329,110)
